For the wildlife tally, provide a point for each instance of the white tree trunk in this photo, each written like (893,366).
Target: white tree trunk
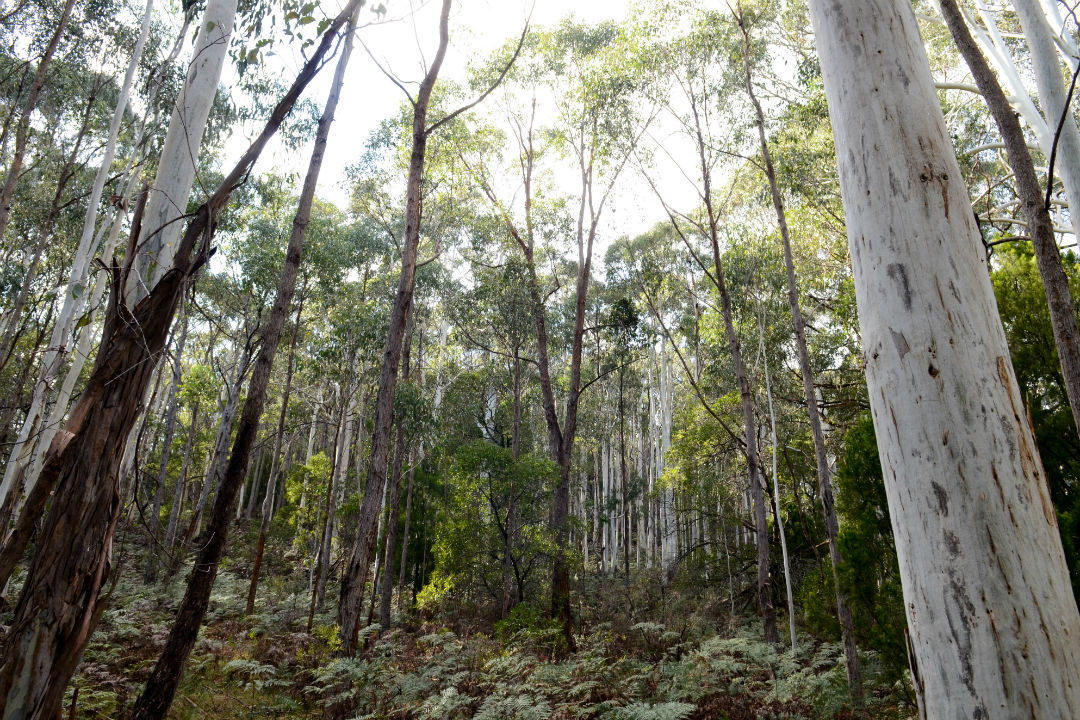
(1052,94)
(994,627)
(75,293)
(776,482)
(169,195)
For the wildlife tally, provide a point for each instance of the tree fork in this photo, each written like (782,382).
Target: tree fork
(158,694)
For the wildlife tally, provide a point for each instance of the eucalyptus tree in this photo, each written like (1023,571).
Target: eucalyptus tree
(832,528)
(161,687)
(971,512)
(355,576)
(595,73)
(35,431)
(59,604)
(1036,210)
(703,92)
(22,127)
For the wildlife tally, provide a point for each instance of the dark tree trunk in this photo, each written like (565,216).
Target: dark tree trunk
(832,527)
(355,577)
(1036,213)
(761,525)
(386,590)
(158,694)
(271,482)
(59,606)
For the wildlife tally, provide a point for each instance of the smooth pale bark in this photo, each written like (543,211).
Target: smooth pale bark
(355,577)
(1040,227)
(171,189)
(76,291)
(157,696)
(993,624)
(776,485)
(253,484)
(852,666)
(343,447)
(13,316)
(59,605)
(78,360)
(1052,97)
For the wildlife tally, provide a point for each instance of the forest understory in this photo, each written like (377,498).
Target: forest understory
(480,359)
(680,654)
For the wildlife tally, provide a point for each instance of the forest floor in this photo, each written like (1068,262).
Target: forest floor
(689,659)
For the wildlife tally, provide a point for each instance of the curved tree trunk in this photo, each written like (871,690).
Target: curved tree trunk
(1047,256)
(832,527)
(158,694)
(356,573)
(992,620)
(1052,97)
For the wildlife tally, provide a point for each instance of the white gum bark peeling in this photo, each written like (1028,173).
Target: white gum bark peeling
(994,628)
(168,199)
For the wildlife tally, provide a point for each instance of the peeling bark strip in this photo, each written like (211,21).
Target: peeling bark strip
(59,606)
(993,624)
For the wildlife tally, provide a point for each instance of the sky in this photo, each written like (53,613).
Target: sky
(402,43)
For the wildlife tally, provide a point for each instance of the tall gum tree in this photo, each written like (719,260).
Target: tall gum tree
(992,620)
(61,599)
(595,73)
(696,59)
(355,577)
(356,574)
(821,461)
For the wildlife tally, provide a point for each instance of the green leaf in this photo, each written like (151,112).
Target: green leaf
(323,24)
(307,20)
(210,25)
(83,321)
